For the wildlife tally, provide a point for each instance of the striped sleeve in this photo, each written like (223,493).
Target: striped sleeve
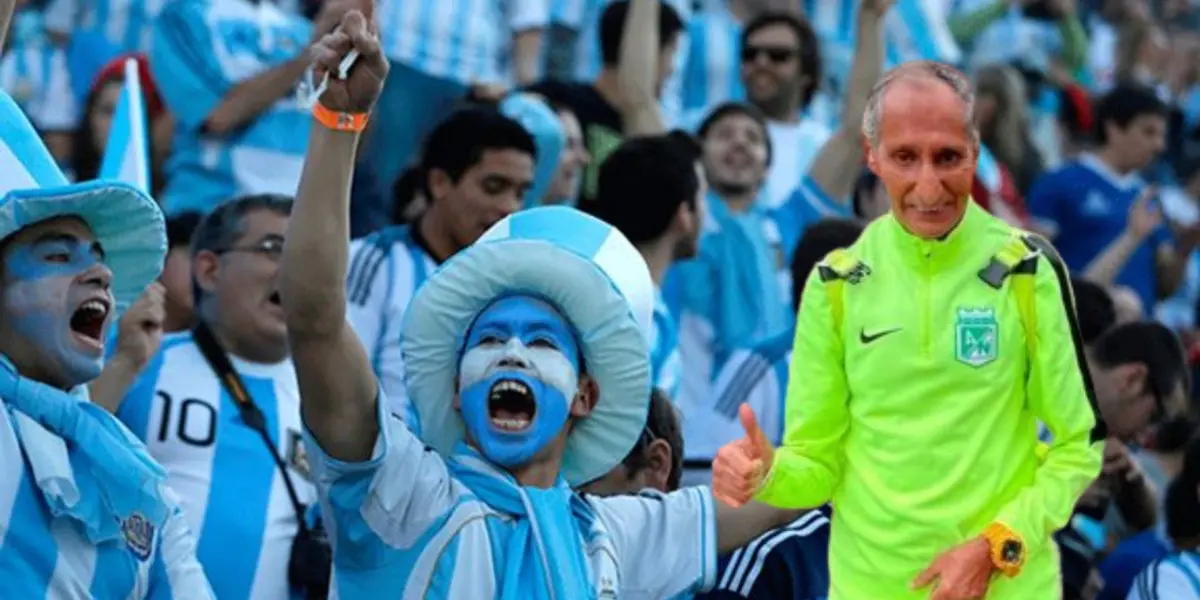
(368,290)
(1165,579)
(763,568)
(185,63)
(176,574)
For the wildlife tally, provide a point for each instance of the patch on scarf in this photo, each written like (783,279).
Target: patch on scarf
(139,535)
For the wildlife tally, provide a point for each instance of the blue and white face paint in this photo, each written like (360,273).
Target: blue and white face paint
(50,308)
(518,376)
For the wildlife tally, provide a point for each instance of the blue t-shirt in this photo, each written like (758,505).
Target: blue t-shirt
(1086,206)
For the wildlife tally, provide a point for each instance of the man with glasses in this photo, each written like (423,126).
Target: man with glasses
(218,406)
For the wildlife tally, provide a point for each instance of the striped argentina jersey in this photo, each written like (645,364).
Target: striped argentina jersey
(42,557)
(125,23)
(757,376)
(789,563)
(712,73)
(1174,577)
(401,522)
(664,349)
(202,50)
(468,41)
(386,268)
(233,495)
(34,72)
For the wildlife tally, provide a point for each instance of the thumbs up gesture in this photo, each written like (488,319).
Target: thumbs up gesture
(741,465)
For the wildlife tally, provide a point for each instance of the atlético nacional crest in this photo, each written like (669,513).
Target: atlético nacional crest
(976,336)
(139,535)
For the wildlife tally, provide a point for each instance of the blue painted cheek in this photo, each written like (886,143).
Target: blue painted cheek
(35,300)
(507,448)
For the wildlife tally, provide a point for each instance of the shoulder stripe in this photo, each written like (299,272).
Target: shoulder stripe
(1100,430)
(366,253)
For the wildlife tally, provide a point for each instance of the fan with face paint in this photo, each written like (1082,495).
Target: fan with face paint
(519,378)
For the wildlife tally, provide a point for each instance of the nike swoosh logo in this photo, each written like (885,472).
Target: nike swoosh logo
(867,339)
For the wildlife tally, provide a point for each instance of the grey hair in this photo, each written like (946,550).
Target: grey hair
(222,228)
(927,70)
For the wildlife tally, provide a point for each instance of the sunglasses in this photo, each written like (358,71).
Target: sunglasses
(776,55)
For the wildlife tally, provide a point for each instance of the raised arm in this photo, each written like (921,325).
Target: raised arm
(837,165)
(637,69)
(338,390)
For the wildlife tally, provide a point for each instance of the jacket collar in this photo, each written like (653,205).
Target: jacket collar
(937,254)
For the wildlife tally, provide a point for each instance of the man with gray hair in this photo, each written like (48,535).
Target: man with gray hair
(918,418)
(218,406)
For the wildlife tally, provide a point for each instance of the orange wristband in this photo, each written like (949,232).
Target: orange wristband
(339,121)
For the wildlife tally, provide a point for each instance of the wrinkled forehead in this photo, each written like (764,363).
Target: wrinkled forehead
(923,108)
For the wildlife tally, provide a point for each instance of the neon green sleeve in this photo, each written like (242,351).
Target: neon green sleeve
(808,465)
(1059,392)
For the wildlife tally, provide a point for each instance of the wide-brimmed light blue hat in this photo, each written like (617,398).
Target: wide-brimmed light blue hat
(127,223)
(583,267)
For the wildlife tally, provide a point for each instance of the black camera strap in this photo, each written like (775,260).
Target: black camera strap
(251,414)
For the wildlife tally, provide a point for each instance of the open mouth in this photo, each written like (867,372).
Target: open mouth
(511,405)
(275,299)
(88,320)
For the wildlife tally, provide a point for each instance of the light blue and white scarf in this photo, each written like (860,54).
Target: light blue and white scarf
(544,557)
(88,467)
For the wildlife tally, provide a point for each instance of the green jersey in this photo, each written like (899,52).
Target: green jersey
(914,399)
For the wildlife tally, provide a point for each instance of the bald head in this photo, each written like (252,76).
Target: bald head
(927,84)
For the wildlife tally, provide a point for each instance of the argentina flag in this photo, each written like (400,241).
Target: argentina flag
(127,152)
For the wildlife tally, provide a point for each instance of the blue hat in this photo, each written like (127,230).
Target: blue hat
(127,223)
(590,273)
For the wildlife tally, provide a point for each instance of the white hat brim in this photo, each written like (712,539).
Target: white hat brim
(127,223)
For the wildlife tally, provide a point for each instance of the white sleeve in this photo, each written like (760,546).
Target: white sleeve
(384,503)
(524,15)
(176,574)
(666,544)
(1163,580)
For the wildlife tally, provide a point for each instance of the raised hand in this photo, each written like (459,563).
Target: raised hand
(139,332)
(1144,216)
(357,91)
(742,465)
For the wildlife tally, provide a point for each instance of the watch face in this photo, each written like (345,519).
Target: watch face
(1011,551)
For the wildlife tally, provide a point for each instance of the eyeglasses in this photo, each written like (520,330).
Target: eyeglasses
(271,247)
(775,54)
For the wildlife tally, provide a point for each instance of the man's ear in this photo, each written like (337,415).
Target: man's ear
(1131,377)
(439,184)
(659,460)
(868,155)
(206,270)
(586,398)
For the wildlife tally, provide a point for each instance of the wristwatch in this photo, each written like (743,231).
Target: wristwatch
(1007,548)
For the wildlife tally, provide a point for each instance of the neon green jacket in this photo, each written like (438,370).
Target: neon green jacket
(917,416)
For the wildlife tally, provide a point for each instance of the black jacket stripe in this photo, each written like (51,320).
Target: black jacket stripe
(1100,430)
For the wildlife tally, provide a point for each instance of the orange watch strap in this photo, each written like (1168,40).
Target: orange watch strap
(340,121)
(1000,539)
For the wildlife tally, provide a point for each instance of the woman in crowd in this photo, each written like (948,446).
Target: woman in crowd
(99,108)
